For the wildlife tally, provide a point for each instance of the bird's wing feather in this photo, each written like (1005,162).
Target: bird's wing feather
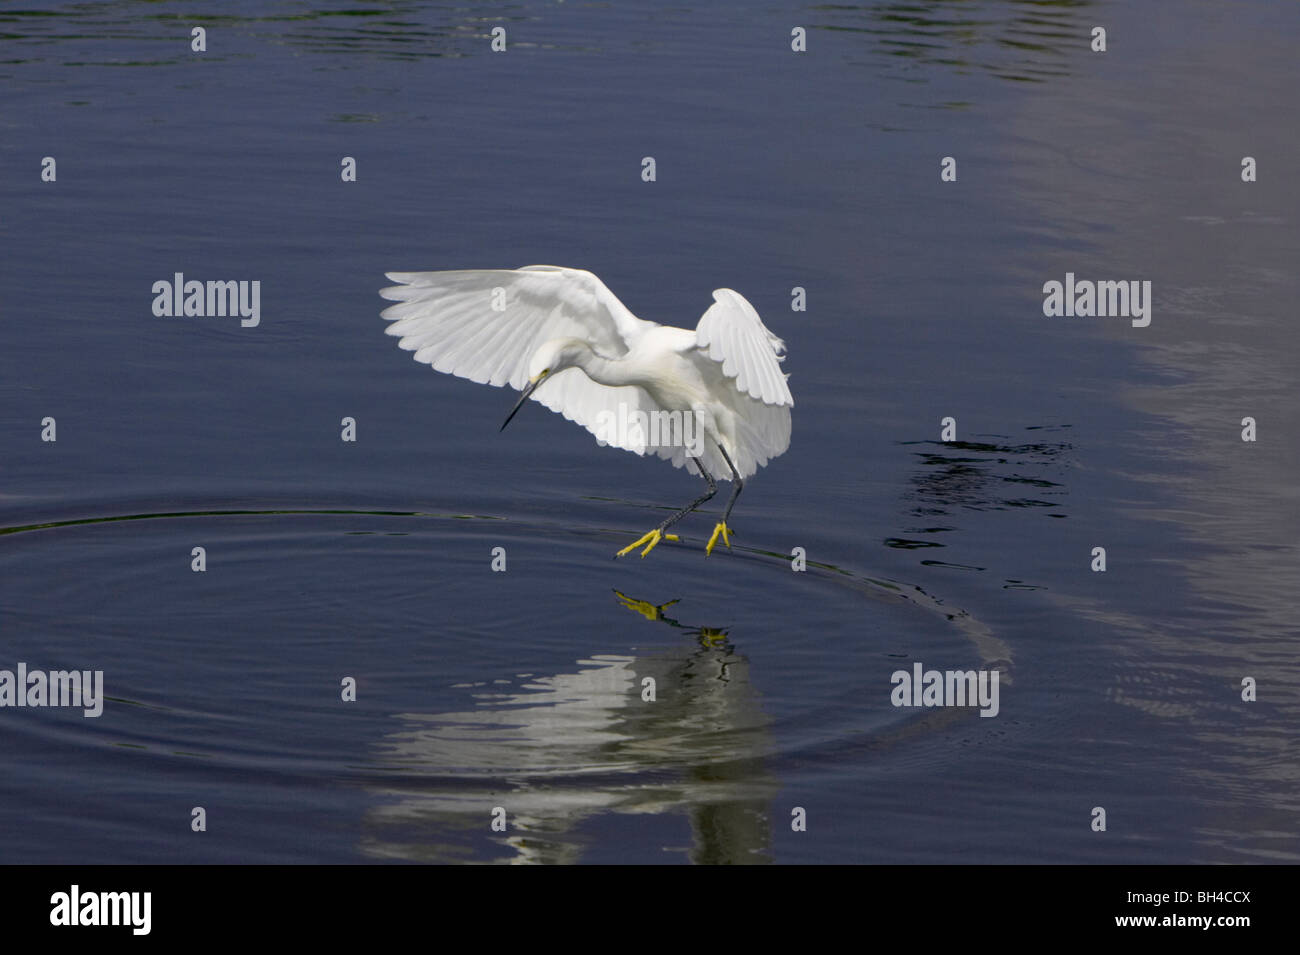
(448,318)
(762,433)
(731,333)
(606,411)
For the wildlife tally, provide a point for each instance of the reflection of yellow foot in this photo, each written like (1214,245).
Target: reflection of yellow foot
(721,530)
(712,637)
(644,607)
(654,537)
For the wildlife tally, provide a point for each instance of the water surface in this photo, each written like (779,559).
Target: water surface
(372,560)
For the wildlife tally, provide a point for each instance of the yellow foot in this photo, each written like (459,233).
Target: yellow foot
(654,537)
(724,532)
(644,607)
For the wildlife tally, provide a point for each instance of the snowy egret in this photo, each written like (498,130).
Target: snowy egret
(715,396)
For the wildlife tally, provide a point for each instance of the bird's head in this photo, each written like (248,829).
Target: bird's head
(550,358)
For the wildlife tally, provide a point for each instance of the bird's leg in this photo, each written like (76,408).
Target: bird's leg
(722,529)
(656,535)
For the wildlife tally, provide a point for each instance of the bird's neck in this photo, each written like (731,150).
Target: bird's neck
(604,371)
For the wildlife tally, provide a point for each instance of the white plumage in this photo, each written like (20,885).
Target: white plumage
(563,338)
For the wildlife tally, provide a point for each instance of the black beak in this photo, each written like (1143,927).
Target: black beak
(527,393)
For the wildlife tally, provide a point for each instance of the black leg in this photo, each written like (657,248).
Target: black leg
(735,476)
(722,530)
(653,538)
(706,496)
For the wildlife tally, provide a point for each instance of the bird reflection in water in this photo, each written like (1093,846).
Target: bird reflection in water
(675,730)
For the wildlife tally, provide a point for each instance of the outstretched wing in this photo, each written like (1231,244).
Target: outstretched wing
(607,411)
(485,324)
(731,333)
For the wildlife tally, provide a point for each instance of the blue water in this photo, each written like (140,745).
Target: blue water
(372,560)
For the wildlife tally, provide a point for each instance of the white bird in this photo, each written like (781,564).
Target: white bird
(715,396)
